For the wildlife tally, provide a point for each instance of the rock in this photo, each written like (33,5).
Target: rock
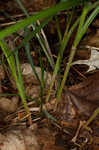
(7,105)
(18,139)
(29,76)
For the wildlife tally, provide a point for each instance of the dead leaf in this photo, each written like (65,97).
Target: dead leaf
(93,62)
(85,95)
(84,98)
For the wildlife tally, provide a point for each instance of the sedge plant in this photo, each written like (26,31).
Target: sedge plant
(12,57)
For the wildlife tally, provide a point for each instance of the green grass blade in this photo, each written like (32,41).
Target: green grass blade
(19,83)
(43,14)
(30,36)
(58,30)
(12,64)
(82,19)
(42,70)
(22,7)
(38,35)
(82,30)
(27,49)
(64,44)
(48,115)
(86,25)
(10,59)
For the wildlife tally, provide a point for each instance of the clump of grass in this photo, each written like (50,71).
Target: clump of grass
(82,23)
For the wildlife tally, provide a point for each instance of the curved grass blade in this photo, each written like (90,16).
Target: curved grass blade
(43,14)
(12,64)
(80,34)
(63,45)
